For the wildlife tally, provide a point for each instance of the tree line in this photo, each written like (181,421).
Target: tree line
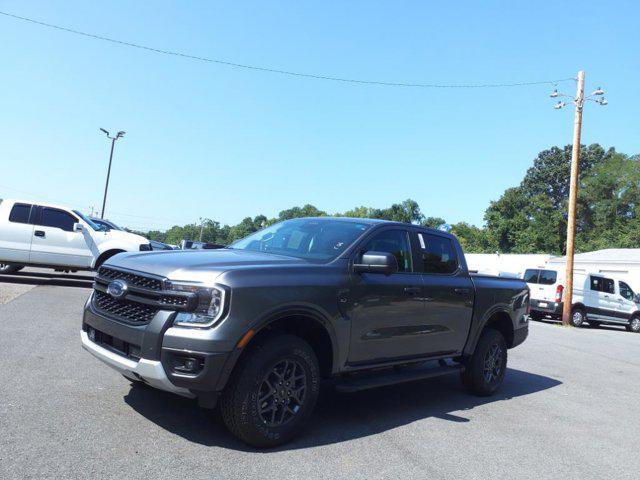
(528,218)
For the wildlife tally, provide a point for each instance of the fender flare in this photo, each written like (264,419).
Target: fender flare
(475,332)
(269,318)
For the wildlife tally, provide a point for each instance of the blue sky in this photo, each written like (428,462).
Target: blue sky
(205,140)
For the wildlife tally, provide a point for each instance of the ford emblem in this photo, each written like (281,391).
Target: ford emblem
(117,288)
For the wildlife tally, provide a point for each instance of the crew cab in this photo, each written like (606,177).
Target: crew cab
(256,326)
(597,299)
(53,236)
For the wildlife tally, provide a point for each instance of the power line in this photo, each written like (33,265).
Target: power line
(282,72)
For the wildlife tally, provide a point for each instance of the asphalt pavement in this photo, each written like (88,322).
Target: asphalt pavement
(569,408)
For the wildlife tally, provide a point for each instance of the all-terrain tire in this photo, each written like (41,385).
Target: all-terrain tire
(485,370)
(282,364)
(6,269)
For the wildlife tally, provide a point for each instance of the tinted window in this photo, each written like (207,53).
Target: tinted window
(52,217)
(626,292)
(531,275)
(395,242)
(20,213)
(596,284)
(438,255)
(608,286)
(548,277)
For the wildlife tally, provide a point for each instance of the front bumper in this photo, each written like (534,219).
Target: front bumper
(149,353)
(149,371)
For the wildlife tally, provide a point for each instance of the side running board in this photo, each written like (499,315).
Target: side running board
(355,383)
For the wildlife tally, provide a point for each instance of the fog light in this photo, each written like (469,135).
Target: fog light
(188,365)
(91,332)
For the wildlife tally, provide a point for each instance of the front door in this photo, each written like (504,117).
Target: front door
(386,311)
(625,304)
(56,243)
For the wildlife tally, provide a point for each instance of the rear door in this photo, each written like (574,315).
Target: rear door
(602,303)
(16,234)
(448,294)
(55,242)
(542,283)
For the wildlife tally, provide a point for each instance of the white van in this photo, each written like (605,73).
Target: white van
(54,236)
(597,299)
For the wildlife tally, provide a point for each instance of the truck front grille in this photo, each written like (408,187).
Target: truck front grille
(131,312)
(144,296)
(131,278)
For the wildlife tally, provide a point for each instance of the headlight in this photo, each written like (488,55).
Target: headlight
(211,303)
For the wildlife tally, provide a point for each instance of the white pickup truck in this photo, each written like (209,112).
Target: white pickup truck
(53,236)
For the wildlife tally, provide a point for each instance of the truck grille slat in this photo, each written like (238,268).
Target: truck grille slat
(132,312)
(130,278)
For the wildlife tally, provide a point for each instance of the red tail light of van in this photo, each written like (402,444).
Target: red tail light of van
(559,292)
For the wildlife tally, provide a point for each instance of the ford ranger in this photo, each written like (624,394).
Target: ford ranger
(255,327)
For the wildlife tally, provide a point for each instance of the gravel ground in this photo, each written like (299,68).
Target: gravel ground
(568,409)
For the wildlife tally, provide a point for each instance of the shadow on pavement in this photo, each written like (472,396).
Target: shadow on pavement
(53,279)
(339,417)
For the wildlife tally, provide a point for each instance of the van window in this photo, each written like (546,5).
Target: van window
(626,292)
(601,284)
(542,277)
(20,213)
(438,255)
(531,275)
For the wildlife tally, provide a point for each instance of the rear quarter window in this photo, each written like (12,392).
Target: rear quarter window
(20,213)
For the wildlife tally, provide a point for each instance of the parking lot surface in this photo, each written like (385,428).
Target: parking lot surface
(569,409)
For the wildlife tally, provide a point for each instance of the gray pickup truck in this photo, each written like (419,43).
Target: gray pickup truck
(255,327)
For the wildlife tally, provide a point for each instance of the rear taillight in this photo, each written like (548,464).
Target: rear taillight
(559,291)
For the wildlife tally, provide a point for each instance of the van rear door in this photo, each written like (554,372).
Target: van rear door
(542,284)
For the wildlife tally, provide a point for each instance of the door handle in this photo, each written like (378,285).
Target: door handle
(39,233)
(411,290)
(461,291)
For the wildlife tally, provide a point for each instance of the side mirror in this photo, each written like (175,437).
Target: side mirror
(377,262)
(636,298)
(77,227)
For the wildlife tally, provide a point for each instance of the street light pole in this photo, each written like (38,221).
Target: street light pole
(106,186)
(573,196)
(578,101)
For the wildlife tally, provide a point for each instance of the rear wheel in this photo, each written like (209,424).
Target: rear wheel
(634,325)
(485,370)
(272,392)
(6,269)
(577,317)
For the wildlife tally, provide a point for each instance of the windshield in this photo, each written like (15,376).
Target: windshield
(89,222)
(311,239)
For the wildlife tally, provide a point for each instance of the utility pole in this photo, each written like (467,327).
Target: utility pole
(573,196)
(201,227)
(106,186)
(573,186)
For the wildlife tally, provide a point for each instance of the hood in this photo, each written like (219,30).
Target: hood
(197,265)
(125,236)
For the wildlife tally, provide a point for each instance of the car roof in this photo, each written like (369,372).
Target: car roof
(37,202)
(378,221)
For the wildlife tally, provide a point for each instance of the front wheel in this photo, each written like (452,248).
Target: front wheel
(7,269)
(634,325)
(272,392)
(485,370)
